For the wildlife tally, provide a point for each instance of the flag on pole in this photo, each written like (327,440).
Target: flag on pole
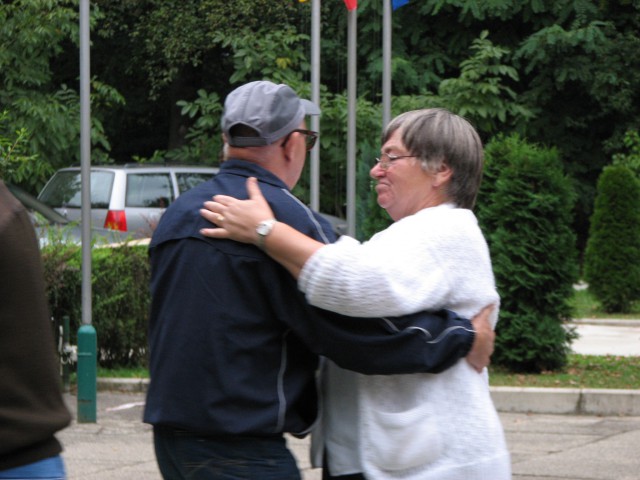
(398,3)
(351,4)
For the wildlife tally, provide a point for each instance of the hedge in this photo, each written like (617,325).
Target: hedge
(120,298)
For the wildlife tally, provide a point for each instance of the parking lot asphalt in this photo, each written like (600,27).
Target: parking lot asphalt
(553,434)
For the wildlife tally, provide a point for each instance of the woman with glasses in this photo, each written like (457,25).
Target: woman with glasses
(418,426)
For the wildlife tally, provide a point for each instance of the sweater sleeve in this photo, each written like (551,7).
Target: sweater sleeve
(418,263)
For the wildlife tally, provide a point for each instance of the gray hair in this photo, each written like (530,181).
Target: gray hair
(437,137)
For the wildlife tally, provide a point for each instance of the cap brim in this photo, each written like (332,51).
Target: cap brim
(310,108)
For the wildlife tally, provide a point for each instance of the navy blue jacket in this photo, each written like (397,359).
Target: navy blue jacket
(234,346)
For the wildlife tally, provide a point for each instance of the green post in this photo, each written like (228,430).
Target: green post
(87,366)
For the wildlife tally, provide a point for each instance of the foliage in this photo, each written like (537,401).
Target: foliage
(560,73)
(612,256)
(33,34)
(62,276)
(278,55)
(204,139)
(631,159)
(120,299)
(255,55)
(585,305)
(333,151)
(177,36)
(524,209)
(16,165)
(480,92)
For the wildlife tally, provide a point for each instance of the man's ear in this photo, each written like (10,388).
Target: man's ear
(287,149)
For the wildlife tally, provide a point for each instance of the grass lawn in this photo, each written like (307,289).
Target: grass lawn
(582,371)
(586,306)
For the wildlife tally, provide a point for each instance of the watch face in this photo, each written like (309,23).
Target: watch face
(265,227)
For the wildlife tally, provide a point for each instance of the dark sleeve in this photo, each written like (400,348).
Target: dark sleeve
(422,342)
(427,342)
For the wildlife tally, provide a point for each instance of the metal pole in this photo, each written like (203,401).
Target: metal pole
(386,62)
(87,344)
(351,121)
(315,98)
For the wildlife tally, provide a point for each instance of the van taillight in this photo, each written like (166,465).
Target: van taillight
(116,220)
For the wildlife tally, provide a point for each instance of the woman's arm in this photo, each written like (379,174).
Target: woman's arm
(238,220)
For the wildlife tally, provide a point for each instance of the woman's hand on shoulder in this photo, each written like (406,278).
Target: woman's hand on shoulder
(236,219)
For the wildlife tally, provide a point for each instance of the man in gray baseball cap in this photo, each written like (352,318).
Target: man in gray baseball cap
(233,344)
(271,110)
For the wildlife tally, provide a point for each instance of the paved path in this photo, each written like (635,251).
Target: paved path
(543,447)
(608,337)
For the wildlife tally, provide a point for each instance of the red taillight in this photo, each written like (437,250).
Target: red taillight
(116,220)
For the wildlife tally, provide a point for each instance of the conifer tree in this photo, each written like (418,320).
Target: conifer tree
(525,210)
(612,256)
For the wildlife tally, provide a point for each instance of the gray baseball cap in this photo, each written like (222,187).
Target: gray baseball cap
(271,110)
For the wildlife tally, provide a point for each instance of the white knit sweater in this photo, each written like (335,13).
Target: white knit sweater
(418,426)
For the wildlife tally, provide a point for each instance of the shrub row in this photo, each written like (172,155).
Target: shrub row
(120,298)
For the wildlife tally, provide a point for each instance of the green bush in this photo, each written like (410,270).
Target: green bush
(612,256)
(120,298)
(524,209)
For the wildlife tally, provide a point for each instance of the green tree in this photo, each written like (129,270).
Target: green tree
(33,36)
(524,209)
(16,165)
(159,52)
(612,256)
(631,158)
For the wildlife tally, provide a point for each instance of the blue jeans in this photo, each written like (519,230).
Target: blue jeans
(47,469)
(183,455)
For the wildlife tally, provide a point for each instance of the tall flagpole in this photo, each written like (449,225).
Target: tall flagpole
(386,62)
(315,98)
(351,122)
(87,339)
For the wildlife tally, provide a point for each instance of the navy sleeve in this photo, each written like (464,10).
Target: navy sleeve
(422,342)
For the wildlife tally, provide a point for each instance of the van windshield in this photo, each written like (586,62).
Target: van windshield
(64,190)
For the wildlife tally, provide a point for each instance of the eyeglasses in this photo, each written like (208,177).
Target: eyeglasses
(385,164)
(310,137)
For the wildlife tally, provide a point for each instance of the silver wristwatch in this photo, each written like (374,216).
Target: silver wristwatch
(263,229)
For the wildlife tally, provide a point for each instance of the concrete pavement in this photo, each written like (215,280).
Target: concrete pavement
(543,446)
(607,337)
